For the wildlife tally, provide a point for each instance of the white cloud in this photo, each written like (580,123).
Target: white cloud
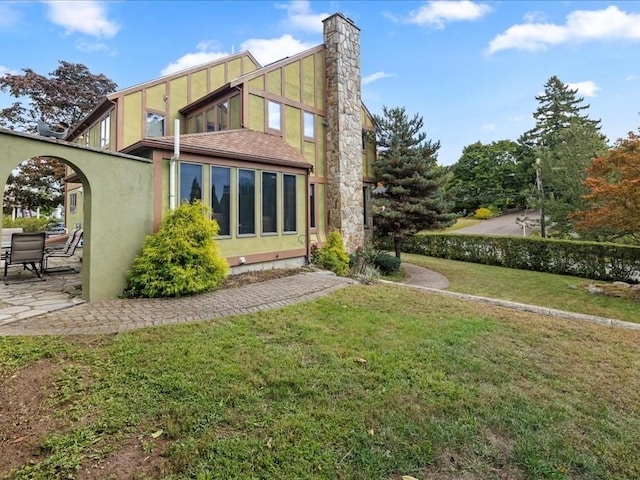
(300,16)
(631,78)
(91,46)
(375,76)
(516,118)
(4,70)
(610,23)
(489,127)
(268,50)
(438,12)
(535,17)
(86,17)
(188,60)
(586,88)
(8,15)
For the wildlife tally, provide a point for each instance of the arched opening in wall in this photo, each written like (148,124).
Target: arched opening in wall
(44,196)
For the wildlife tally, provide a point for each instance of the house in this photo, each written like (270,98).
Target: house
(279,152)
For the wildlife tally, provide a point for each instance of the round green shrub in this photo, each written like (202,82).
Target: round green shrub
(332,256)
(387,264)
(181,258)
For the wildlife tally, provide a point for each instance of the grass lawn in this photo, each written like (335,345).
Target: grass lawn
(371,382)
(535,288)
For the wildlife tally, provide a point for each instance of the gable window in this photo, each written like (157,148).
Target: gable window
(269,202)
(289,203)
(105,132)
(221,198)
(155,125)
(190,182)
(73,203)
(273,115)
(309,130)
(210,116)
(246,202)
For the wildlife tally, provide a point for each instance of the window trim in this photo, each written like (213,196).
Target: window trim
(313,208)
(294,204)
(105,132)
(146,124)
(253,233)
(262,203)
(268,126)
(230,213)
(305,114)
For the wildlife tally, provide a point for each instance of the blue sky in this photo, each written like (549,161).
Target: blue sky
(471,69)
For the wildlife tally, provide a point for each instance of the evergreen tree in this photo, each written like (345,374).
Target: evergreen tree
(555,153)
(410,197)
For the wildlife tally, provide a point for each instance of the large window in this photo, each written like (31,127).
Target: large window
(221,198)
(289,202)
(223,115)
(269,202)
(73,203)
(312,205)
(105,132)
(155,125)
(246,202)
(190,182)
(273,115)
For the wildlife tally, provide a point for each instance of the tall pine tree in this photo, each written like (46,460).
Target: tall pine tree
(410,197)
(564,140)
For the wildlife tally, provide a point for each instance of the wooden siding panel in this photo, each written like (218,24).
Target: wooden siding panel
(310,152)
(155,97)
(198,85)
(256,118)
(216,77)
(320,80)
(234,69)
(274,82)
(292,81)
(321,160)
(308,81)
(132,124)
(257,83)
(292,127)
(248,65)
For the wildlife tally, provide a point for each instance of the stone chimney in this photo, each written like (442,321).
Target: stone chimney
(345,200)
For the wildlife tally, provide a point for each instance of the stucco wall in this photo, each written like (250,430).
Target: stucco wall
(117,192)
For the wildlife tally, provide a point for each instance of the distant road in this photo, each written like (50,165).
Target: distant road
(502,225)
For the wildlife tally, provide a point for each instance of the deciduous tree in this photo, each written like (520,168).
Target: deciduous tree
(613,182)
(410,197)
(67,95)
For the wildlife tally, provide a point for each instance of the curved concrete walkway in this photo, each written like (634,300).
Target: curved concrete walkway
(110,316)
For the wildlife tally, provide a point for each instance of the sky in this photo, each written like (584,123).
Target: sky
(470,69)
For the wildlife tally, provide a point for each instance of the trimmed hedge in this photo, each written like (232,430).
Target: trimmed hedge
(593,260)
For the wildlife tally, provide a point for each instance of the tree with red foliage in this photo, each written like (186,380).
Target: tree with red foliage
(614,184)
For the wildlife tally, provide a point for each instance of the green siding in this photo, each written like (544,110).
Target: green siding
(155,97)
(178,90)
(320,82)
(248,65)
(256,113)
(292,81)
(234,69)
(320,163)
(274,82)
(292,127)
(132,105)
(235,114)
(198,84)
(308,82)
(257,83)
(217,77)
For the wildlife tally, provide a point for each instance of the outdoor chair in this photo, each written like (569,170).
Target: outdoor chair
(55,243)
(68,250)
(27,249)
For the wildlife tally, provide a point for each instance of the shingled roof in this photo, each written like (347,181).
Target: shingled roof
(239,144)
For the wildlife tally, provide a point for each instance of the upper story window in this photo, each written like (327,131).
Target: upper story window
(309,126)
(105,132)
(221,116)
(155,125)
(274,116)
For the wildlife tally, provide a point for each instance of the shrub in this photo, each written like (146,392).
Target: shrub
(182,258)
(332,256)
(387,264)
(362,266)
(28,224)
(483,213)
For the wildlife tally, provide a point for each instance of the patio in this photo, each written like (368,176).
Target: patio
(27,296)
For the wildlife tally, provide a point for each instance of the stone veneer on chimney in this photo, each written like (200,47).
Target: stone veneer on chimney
(344,130)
